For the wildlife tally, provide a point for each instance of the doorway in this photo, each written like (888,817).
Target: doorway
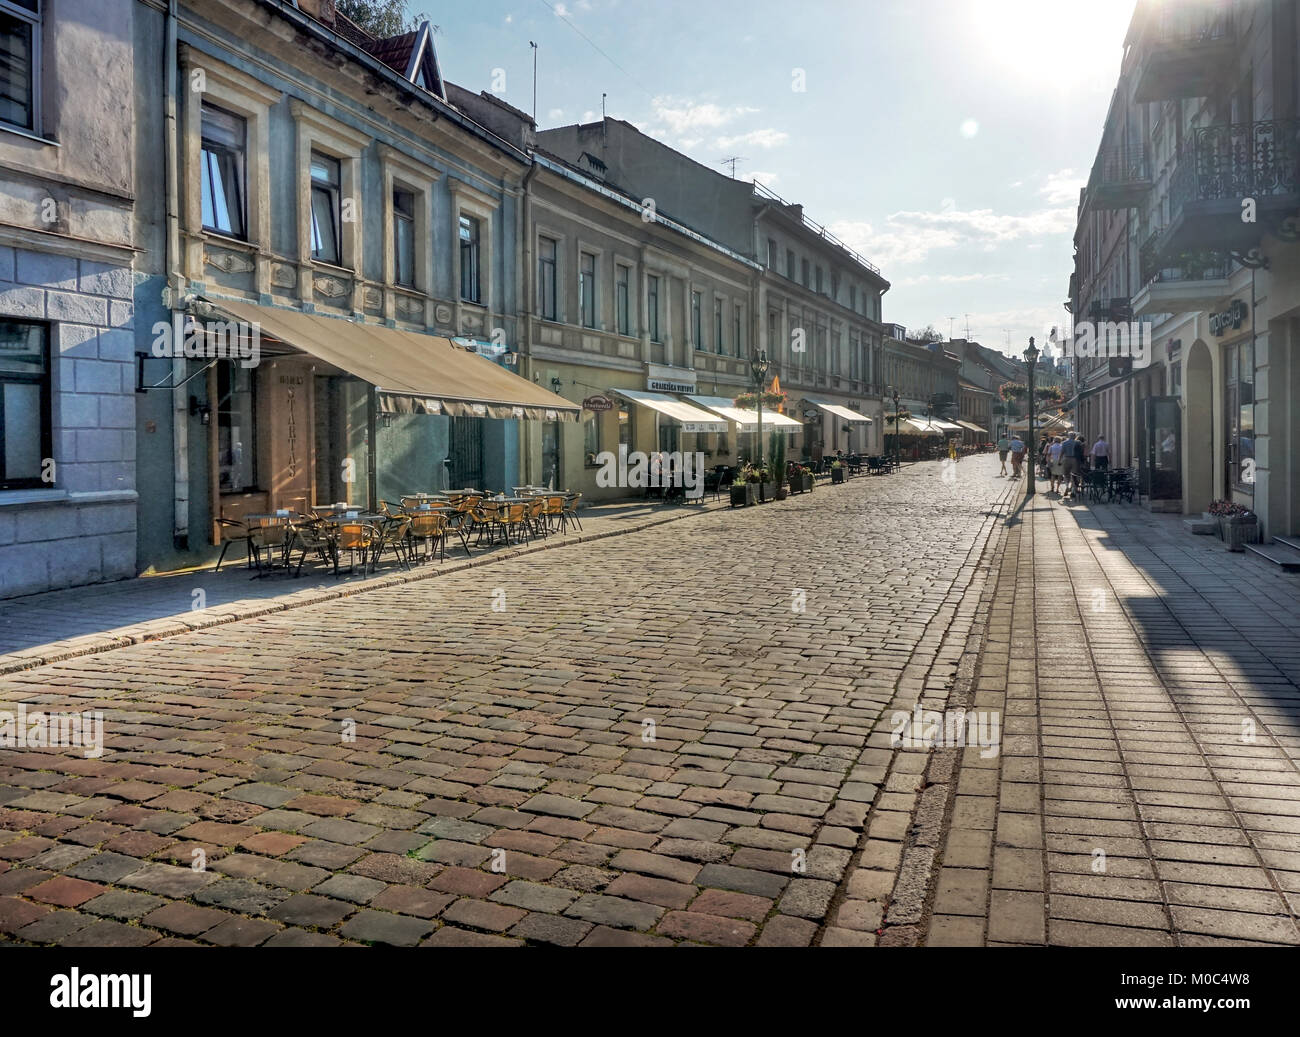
(466,454)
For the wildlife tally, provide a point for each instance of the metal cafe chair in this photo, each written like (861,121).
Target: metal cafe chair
(571,503)
(392,535)
(355,537)
(233,531)
(313,536)
(430,527)
(268,536)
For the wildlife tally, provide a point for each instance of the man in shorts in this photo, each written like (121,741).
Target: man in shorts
(1017,456)
(1004,447)
(1071,462)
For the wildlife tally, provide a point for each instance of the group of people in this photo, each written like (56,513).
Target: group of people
(1062,456)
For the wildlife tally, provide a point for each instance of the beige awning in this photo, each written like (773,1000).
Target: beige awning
(691,419)
(840,412)
(920,427)
(972,427)
(413,373)
(746,419)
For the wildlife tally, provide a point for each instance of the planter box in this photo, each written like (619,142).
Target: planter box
(837,476)
(742,494)
(767,492)
(1239,530)
(808,483)
(782,491)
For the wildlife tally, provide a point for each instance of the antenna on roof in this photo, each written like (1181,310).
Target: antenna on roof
(968,327)
(950,320)
(732,162)
(534,46)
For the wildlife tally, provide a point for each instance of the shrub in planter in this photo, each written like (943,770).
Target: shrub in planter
(837,473)
(1237,524)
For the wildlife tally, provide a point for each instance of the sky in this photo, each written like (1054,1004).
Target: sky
(945,140)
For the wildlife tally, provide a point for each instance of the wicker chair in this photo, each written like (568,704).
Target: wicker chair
(553,511)
(270,537)
(312,535)
(393,536)
(354,537)
(430,528)
(571,503)
(537,516)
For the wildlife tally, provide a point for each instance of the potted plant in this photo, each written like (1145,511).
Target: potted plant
(766,485)
(1237,524)
(745,489)
(837,472)
(808,481)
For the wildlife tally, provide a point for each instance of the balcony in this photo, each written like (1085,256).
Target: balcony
(1184,49)
(1218,168)
(1181,283)
(1121,177)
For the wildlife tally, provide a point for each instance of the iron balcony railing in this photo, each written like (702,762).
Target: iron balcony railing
(1189,21)
(1121,165)
(1237,161)
(1201,265)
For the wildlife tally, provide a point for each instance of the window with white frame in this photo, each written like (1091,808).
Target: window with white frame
(325,215)
(587,288)
(20,64)
(652,308)
(403,237)
(222,156)
(471,280)
(25,426)
(548,250)
(623,298)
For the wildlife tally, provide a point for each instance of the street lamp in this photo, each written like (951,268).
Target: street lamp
(758,366)
(1031,362)
(895,395)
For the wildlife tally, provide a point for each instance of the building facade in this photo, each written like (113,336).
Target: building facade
(1200,164)
(68,489)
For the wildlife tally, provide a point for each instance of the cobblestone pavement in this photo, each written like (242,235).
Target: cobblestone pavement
(1148,790)
(674,735)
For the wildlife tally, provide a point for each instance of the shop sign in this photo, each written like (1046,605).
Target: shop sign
(598,404)
(1232,319)
(670,379)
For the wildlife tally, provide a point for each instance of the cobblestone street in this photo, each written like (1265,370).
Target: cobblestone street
(670,735)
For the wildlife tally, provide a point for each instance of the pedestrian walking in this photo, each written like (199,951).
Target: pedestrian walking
(1054,464)
(1101,454)
(1071,462)
(1004,448)
(1017,456)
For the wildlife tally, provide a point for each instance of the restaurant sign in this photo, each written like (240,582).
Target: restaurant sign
(598,404)
(670,379)
(1231,319)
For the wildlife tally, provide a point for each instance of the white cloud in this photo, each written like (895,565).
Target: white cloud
(682,116)
(767,138)
(555,114)
(910,237)
(1063,188)
(911,282)
(561,11)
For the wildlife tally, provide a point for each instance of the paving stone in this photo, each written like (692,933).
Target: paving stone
(384,928)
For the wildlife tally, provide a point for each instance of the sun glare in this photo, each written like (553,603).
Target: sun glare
(1050,40)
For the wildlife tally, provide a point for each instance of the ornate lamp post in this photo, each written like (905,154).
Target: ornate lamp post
(1031,362)
(895,398)
(758,366)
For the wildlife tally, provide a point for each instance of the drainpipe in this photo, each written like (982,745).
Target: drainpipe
(525,255)
(172,294)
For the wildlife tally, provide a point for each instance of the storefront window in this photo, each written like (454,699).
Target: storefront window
(551,455)
(624,429)
(1239,415)
(236,430)
(591,439)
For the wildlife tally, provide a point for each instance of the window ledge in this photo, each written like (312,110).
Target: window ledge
(19,132)
(42,498)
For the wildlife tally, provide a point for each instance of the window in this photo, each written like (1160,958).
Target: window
(737,334)
(587,288)
(835,286)
(819,281)
(20,63)
(789,264)
(717,325)
(1239,415)
(697,331)
(25,436)
(853,298)
(222,171)
(404,238)
(625,429)
(548,250)
(623,298)
(236,428)
(806,278)
(591,439)
(771,253)
(325,181)
(652,305)
(471,288)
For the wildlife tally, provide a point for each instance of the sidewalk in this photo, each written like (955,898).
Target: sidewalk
(43,628)
(1147,791)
